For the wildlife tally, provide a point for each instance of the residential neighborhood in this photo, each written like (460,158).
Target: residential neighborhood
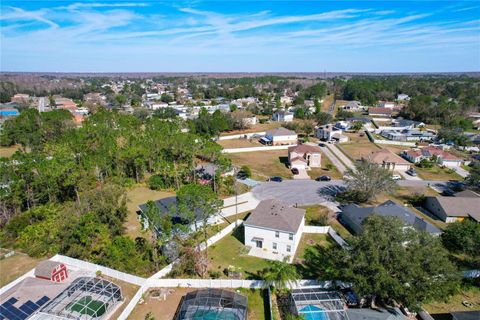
(232,160)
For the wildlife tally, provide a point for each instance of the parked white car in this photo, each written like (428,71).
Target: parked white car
(396,177)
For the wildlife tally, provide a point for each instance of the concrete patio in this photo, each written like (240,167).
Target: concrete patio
(268,254)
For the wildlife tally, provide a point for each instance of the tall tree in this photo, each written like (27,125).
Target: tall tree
(389,263)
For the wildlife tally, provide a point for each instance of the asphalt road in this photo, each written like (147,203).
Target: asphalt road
(309,192)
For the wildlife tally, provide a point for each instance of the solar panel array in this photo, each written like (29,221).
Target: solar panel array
(9,312)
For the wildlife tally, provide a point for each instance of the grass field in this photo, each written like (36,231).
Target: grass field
(358,147)
(230,251)
(128,291)
(7,152)
(454,303)
(259,127)
(263,164)
(311,239)
(437,173)
(136,196)
(256,303)
(239,143)
(13,267)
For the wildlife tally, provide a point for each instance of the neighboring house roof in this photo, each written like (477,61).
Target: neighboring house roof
(431,151)
(379,110)
(284,113)
(388,209)
(460,206)
(375,314)
(277,215)
(465,315)
(280,132)
(44,268)
(384,155)
(304,148)
(467,194)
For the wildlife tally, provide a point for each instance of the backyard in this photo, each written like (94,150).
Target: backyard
(136,196)
(15,266)
(439,308)
(239,143)
(230,251)
(357,146)
(165,309)
(263,164)
(314,214)
(259,127)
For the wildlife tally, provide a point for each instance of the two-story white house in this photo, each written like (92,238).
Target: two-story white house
(273,230)
(282,116)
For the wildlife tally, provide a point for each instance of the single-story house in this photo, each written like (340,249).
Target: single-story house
(282,116)
(353,106)
(442,157)
(388,160)
(406,124)
(386,104)
(353,216)
(274,227)
(280,136)
(407,135)
(379,111)
(452,209)
(304,156)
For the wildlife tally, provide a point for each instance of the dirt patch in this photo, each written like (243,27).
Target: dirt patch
(13,267)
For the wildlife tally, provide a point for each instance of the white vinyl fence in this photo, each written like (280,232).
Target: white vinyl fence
(92,267)
(315,229)
(335,236)
(253,149)
(241,136)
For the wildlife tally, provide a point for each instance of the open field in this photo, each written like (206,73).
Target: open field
(136,196)
(263,164)
(239,143)
(327,102)
(7,152)
(230,251)
(323,171)
(471,295)
(15,266)
(259,127)
(357,147)
(395,149)
(437,173)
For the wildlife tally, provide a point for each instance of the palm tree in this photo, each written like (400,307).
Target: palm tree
(278,274)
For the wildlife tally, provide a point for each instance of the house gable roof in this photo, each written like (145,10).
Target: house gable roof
(388,209)
(304,148)
(280,132)
(460,206)
(384,155)
(277,215)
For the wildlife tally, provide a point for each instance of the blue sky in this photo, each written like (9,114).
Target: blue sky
(240,36)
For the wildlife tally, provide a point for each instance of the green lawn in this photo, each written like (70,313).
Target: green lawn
(437,173)
(263,164)
(323,171)
(230,251)
(311,239)
(257,307)
(454,303)
(313,214)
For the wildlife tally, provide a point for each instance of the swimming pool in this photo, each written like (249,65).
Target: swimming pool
(310,312)
(214,315)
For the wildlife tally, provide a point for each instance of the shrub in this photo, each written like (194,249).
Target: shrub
(247,171)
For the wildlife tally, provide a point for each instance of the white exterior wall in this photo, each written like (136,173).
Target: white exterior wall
(268,236)
(450,164)
(291,139)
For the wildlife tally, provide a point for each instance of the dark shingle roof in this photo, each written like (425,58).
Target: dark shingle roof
(388,209)
(276,215)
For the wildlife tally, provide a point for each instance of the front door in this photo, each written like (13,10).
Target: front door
(259,243)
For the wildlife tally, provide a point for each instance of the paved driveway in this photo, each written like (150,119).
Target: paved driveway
(298,192)
(336,162)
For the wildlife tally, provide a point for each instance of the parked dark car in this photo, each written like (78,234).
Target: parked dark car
(295,171)
(275,179)
(456,185)
(411,172)
(242,175)
(321,144)
(448,192)
(323,178)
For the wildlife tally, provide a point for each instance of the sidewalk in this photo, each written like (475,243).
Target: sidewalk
(340,155)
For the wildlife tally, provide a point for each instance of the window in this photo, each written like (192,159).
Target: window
(289,248)
(274,246)
(277,234)
(290,236)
